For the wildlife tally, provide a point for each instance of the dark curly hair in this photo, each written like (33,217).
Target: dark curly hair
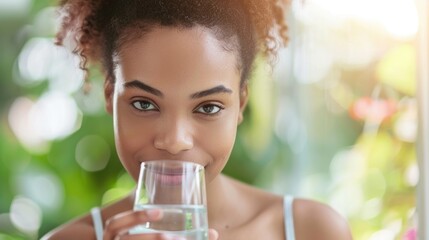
(98,28)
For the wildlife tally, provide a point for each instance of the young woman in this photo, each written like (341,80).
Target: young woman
(176,76)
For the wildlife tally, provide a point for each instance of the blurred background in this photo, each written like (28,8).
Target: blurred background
(337,122)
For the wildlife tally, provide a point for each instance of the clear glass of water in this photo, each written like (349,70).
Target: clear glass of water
(178,188)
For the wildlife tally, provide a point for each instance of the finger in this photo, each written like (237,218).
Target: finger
(213,234)
(121,223)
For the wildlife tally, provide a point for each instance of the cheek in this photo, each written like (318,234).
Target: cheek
(130,135)
(218,142)
(222,139)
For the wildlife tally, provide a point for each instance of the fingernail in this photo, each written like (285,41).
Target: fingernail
(153,213)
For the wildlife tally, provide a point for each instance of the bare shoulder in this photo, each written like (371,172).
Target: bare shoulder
(80,228)
(323,221)
(259,214)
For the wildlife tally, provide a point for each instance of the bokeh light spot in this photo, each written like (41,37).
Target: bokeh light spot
(41,59)
(397,69)
(25,215)
(46,22)
(55,116)
(92,153)
(11,8)
(114,194)
(405,127)
(35,60)
(42,187)
(374,183)
(348,198)
(371,208)
(412,175)
(125,181)
(21,125)
(389,232)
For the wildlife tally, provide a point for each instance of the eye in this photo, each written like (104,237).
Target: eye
(143,105)
(209,109)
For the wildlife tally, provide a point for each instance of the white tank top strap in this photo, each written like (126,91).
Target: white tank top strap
(98,223)
(288,214)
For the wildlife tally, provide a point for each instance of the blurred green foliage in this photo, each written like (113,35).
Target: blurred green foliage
(312,140)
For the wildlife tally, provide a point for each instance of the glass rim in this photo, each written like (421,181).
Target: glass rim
(163,161)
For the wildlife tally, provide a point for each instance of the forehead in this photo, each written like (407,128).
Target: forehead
(173,52)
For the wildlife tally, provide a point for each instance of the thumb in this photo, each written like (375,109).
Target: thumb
(213,234)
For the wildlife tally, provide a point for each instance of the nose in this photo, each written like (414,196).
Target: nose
(174,137)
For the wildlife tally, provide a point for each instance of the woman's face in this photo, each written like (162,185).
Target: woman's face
(177,96)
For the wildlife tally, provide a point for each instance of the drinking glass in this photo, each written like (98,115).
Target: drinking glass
(178,189)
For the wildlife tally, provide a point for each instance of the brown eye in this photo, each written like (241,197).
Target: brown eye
(209,109)
(143,105)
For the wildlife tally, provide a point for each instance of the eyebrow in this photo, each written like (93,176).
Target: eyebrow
(215,90)
(144,87)
(156,92)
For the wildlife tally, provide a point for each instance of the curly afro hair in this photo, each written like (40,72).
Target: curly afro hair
(96,29)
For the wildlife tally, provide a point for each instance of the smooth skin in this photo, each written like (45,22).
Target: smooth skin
(177,96)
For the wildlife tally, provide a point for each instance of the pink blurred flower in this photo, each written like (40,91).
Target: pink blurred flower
(411,234)
(373,110)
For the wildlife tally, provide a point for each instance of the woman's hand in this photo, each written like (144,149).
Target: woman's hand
(118,226)
(213,234)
